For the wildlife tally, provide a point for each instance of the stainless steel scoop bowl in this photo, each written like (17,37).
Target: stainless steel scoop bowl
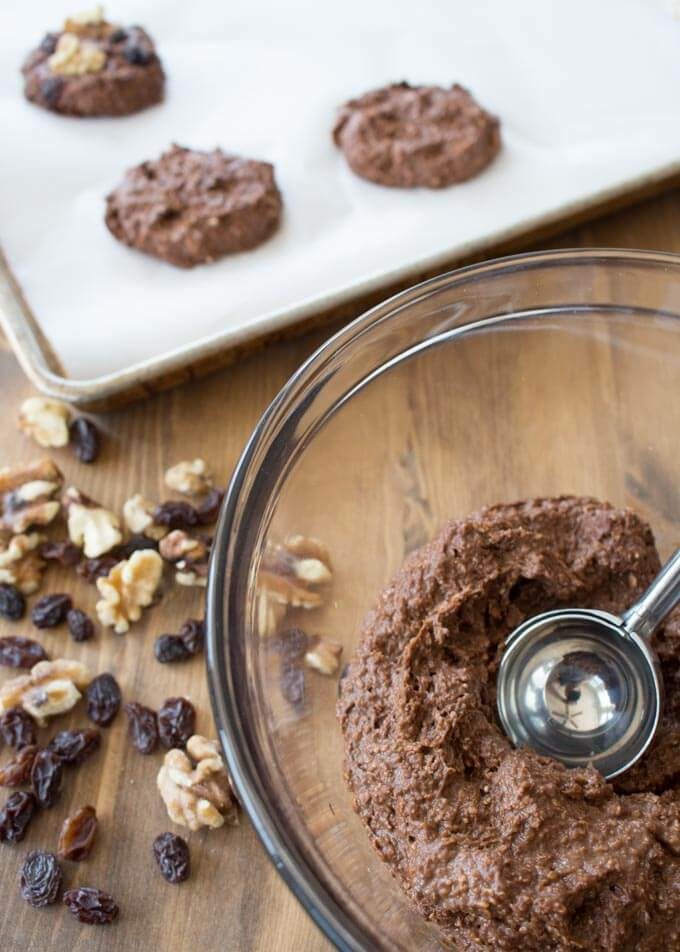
(583,686)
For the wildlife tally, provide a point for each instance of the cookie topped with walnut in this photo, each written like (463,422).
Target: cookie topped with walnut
(94,68)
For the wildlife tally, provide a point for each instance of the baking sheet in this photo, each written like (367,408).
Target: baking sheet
(587,94)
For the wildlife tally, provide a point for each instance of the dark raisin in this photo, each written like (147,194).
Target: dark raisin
(137,56)
(118,36)
(209,508)
(292,645)
(169,648)
(17,728)
(18,652)
(48,44)
(46,776)
(15,816)
(103,699)
(172,856)
(77,834)
(176,515)
(142,727)
(134,544)
(92,906)
(50,90)
(12,602)
(64,552)
(80,625)
(50,610)
(192,634)
(176,721)
(92,569)
(40,878)
(85,439)
(17,771)
(74,747)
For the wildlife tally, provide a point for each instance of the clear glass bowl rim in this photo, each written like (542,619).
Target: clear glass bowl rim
(224,675)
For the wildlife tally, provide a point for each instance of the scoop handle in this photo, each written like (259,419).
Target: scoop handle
(645,616)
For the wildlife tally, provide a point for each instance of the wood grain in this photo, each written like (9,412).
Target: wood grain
(234,900)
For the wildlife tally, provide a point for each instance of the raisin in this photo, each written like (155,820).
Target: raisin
(46,776)
(64,552)
(209,509)
(77,834)
(172,856)
(17,771)
(136,56)
(50,90)
(12,602)
(92,569)
(169,648)
(118,36)
(292,645)
(134,544)
(142,727)
(103,699)
(40,878)
(48,44)
(17,728)
(176,721)
(15,816)
(85,439)
(192,634)
(18,652)
(80,625)
(91,906)
(74,747)
(176,515)
(50,610)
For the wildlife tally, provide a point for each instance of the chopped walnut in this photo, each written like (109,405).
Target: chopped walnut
(21,563)
(26,495)
(75,58)
(189,555)
(191,478)
(307,559)
(197,794)
(128,588)
(45,420)
(95,529)
(138,517)
(50,689)
(86,17)
(324,656)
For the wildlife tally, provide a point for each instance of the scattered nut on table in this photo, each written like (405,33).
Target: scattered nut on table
(20,561)
(324,655)
(188,554)
(26,493)
(91,526)
(46,421)
(128,588)
(197,794)
(51,688)
(189,477)
(138,517)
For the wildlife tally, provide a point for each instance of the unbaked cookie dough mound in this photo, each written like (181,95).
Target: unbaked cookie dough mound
(191,207)
(94,68)
(408,136)
(501,848)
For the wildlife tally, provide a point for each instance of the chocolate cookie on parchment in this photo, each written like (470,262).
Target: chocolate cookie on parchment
(94,68)
(408,136)
(190,207)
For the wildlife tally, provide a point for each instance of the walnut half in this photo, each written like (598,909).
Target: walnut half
(50,689)
(21,563)
(128,588)
(26,493)
(197,794)
(95,529)
(45,420)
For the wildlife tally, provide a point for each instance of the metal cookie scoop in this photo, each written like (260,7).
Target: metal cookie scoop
(584,686)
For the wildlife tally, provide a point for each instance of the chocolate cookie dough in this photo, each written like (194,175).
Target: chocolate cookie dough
(94,68)
(407,136)
(192,207)
(502,848)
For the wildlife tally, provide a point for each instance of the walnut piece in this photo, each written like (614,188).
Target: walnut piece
(26,495)
(190,477)
(90,526)
(21,563)
(128,588)
(190,556)
(138,517)
(50,689)
(45,420)
(324,656)
(288,577)
(86,17)
(75,58)
(197,794)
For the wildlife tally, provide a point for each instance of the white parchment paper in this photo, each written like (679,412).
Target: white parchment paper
(588,92)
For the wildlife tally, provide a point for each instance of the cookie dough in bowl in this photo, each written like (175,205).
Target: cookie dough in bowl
(501,848)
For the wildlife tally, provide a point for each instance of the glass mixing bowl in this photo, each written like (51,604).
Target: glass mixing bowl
(536,375)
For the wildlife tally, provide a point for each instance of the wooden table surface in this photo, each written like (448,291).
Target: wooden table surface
(234,900)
